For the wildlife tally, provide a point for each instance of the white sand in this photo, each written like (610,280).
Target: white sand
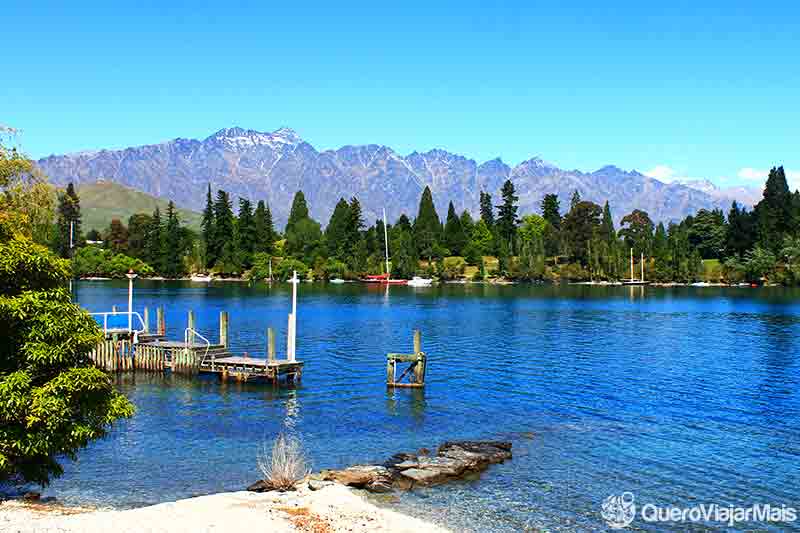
(334,508)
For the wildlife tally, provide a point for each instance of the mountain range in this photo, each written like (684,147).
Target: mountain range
(273,166)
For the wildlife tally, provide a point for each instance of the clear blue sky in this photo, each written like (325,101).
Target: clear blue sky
(703,90)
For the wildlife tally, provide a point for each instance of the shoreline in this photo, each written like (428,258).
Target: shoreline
(330,508)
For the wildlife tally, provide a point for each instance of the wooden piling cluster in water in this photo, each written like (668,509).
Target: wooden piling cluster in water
(415,371)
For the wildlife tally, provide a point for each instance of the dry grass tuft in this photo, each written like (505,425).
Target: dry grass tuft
(285,465)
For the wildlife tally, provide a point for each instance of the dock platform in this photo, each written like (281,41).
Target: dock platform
(244,368)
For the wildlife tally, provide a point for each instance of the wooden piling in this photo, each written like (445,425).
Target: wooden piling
(223,328)
(161,322)
(113,308)
(146,320)
(419,370)
(270,344)
(191,325)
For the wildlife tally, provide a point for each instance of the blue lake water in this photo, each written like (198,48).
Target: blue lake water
(681,396)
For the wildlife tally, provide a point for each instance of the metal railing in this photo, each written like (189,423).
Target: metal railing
(127,328)
(191,333)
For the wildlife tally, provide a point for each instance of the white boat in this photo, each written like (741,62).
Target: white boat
(701,284)
(201,278)
(417,281)
(337,280)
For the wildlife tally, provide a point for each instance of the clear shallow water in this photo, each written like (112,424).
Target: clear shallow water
(682,396)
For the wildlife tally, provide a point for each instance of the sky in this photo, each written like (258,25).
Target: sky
(674,89)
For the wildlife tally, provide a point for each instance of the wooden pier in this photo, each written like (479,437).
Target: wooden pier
(124,350)
(415,371)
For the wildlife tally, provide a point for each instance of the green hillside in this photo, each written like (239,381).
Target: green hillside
(101,202)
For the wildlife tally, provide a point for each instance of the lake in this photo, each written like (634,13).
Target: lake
(681,396)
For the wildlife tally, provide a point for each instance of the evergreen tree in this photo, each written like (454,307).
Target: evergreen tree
(209,237)
(116,237)
(138,226)
(336,232)
(154,242)
(580,226)
(454,238)
(467,224)
(607,231)
(707,233)
(576,199)
(172,251)
(487,210)
(507,217)
(427,226)
(775,211)
(551,212)
(298,212)
(264,229)
(741,234)
(246,233)
(355,226)
(224,227)
(69,210)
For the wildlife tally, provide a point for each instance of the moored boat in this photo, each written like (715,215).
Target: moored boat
(417,281)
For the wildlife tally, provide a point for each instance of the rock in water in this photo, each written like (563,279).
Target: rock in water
(453,460)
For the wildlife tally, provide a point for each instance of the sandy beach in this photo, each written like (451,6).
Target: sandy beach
(332,508)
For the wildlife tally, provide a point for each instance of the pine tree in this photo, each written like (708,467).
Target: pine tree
(487,210)
(69,211)
(116,237)
(355,226)
(246,232)
(264,229)
(138,226)
(336,232)
(576,199)
(507,217)
(154,242)
(775,211)
(298,212)
(172,250)
(741,235)
(607,230)
(209,239)
(224,228)
(454,238)
(427,226)
(551,210)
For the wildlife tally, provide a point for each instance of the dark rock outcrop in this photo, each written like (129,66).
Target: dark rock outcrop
(453,460)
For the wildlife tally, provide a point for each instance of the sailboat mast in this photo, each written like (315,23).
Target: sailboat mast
(386,243)
(642,266)
(631,264)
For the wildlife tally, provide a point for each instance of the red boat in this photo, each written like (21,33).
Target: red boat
(383,279)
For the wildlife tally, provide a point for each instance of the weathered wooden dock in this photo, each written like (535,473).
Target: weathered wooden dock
(125,349)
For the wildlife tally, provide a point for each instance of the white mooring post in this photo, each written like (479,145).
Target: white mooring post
(292,332)
(131,277)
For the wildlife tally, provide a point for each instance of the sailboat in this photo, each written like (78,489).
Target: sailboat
(632,280)
(386,278)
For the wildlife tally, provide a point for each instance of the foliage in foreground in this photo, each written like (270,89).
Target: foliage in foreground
(52,401)
(285,465)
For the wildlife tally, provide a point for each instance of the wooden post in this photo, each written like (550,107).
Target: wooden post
(223,328)
(270,345)
(161,321)
(390,364)
(419,369)
(146,319)
(113,308)
(191,324)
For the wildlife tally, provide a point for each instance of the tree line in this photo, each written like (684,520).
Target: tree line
(577,243)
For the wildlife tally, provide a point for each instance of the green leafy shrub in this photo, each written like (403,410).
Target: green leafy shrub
(52,400)
(94,261)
